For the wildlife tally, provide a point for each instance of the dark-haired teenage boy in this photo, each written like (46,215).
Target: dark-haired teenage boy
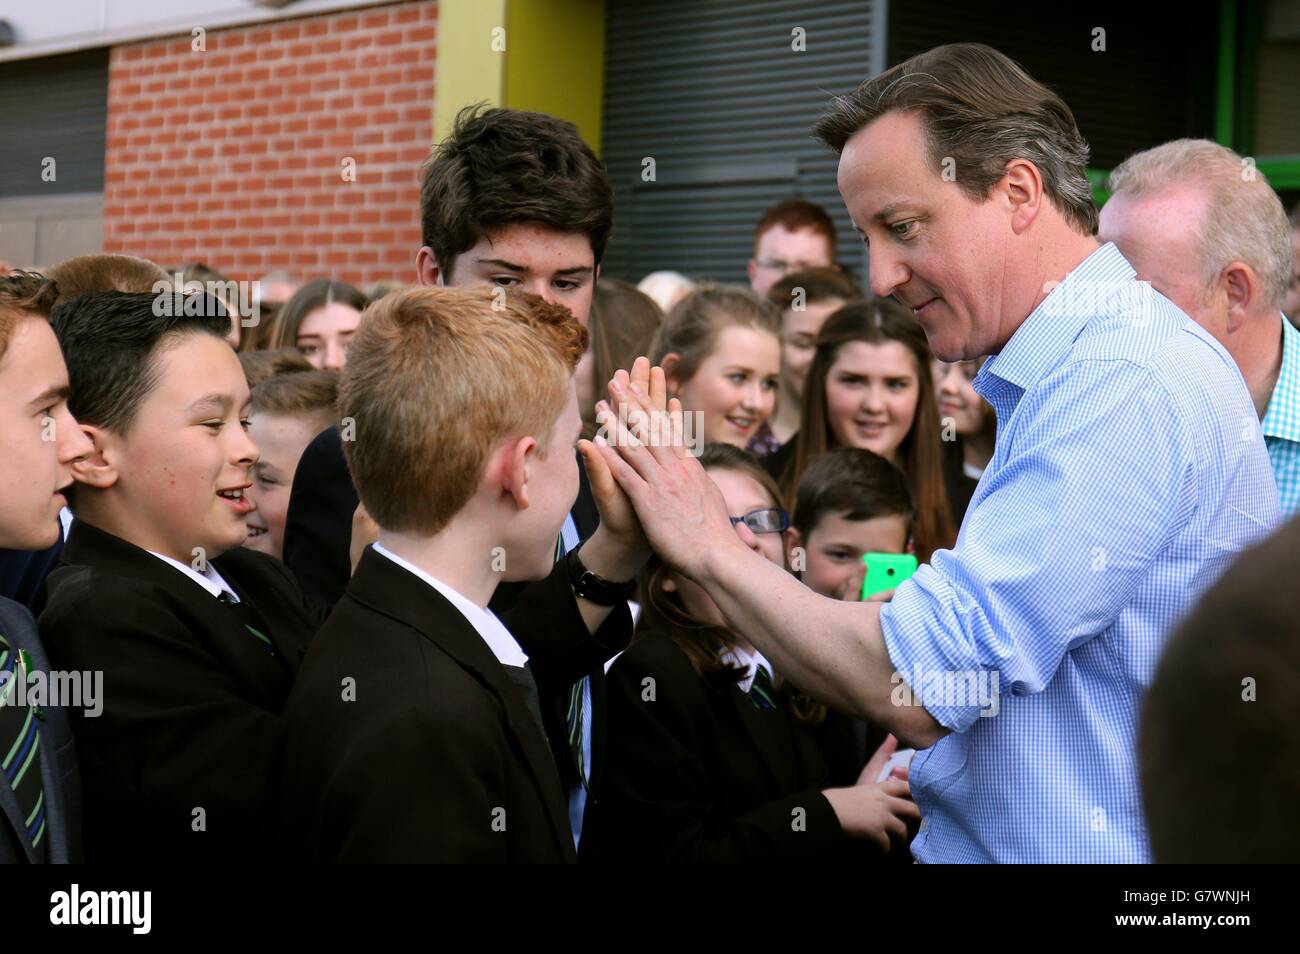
(511,200)
(39,810)
(197,637)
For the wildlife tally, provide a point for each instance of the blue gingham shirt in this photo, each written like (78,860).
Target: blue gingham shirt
(1281,424)
(1129,471)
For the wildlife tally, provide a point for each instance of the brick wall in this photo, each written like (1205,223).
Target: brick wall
(235,155)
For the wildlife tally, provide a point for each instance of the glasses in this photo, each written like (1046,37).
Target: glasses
(769,520)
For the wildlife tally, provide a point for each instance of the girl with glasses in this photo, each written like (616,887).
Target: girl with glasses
(713,757)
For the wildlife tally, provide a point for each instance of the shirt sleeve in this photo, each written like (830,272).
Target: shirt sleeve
(1094,483)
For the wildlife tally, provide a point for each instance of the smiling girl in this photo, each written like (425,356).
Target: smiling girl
(721,354)
(869,386)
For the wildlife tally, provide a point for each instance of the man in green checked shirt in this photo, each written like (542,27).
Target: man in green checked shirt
(1203,226)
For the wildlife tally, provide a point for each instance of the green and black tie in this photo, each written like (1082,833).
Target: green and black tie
(20,741)
(761,691)
(249,617)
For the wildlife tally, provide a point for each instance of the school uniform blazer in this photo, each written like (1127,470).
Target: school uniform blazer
(696,773)
(59,779)
(407,741)
(539,615)
(179,764)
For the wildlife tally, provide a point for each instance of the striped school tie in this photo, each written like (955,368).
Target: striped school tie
(761,691)
(20,740)
(248,617)
(573,712)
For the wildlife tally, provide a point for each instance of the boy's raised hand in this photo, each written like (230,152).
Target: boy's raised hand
(617,516)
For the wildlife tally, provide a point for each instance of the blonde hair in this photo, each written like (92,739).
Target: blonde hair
(436,379)
(691,329)
(1243,219)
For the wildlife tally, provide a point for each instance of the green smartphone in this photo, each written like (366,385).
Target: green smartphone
(885,571)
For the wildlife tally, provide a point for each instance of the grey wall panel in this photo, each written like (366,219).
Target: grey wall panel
(56,106)
(715,94)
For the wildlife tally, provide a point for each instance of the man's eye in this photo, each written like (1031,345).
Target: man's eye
(902,229)
(504,281)
(567,285)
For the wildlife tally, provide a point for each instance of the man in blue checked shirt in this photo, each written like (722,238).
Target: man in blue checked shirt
(1129,471)
(1203,226)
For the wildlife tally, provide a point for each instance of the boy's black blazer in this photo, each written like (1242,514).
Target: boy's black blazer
(695,773)
(179,763)
(406,740)
(58,764)
(317,541)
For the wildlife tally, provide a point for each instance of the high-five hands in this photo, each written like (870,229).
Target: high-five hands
(642,441)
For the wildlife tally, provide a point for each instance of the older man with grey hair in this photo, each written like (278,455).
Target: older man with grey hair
(1203,226)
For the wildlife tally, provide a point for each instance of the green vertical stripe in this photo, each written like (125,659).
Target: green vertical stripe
(18,741)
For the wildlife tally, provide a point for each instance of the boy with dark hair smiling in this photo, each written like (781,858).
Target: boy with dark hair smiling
(39,440)
(198,638)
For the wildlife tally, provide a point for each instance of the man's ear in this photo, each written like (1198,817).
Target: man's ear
(427,269)
(97,469)
(669,585)
(669,363)
(512,469)
(1022,188)
(1240,285)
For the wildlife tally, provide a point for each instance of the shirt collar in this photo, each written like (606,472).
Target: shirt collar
(1096,286)
(748,661)
(492,631)
(209,579)
(1282,419)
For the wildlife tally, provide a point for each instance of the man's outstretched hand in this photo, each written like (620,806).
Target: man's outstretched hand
(642,441)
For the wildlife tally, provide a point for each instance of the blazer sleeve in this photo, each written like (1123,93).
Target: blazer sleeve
(656,801)
(170,713)
(318,526)
(549,627)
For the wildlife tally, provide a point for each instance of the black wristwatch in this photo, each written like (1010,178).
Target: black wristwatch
(594,589)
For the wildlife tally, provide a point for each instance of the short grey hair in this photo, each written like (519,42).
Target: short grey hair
(1243,221)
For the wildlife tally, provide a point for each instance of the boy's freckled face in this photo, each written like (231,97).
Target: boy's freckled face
(835,547)
(185,462)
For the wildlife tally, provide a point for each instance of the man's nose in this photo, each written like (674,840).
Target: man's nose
(886,272)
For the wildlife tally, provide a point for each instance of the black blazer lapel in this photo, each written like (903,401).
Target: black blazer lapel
(229,641)
(386,588)
(767,730)
(9,804)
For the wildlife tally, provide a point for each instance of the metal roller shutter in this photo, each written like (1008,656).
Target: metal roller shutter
(54,106)
(714,93)
(1152,83)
